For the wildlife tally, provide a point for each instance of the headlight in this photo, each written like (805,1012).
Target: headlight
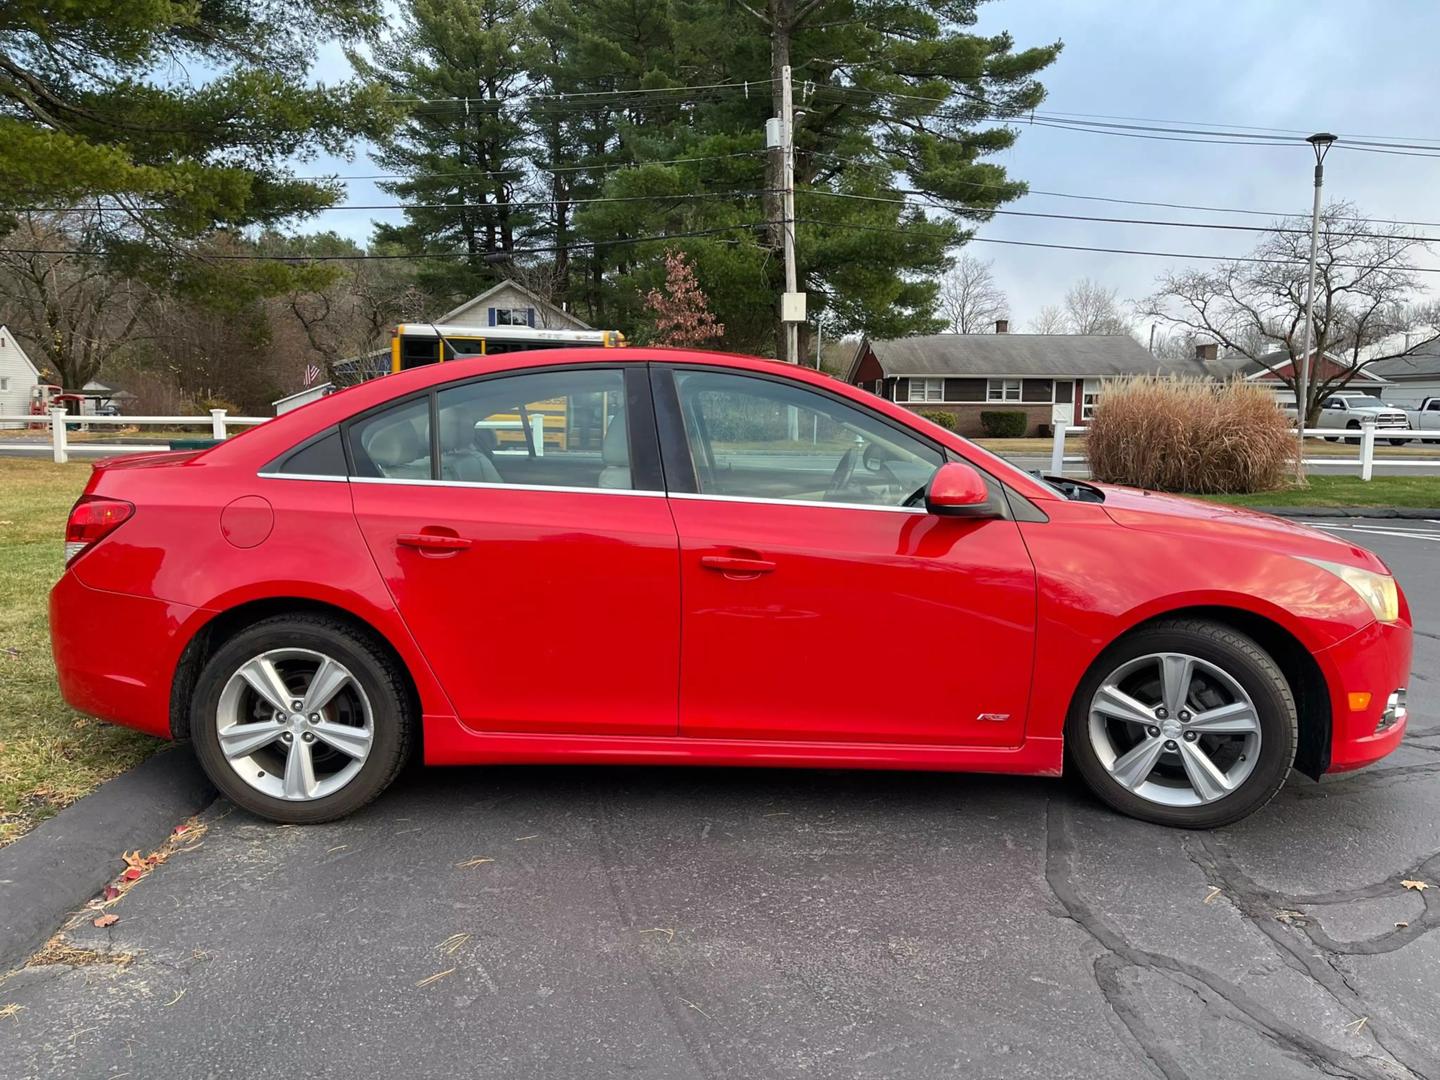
(1377,590)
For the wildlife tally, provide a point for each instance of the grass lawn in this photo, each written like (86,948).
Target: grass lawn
(50,755)
(1416,491)
(1313,448)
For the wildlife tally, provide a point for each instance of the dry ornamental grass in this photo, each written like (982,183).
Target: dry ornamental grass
(1190,435)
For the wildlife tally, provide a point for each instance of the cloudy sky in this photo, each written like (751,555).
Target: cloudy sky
(1348,66)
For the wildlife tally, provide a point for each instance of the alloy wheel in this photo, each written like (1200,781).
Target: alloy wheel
(1175,729)
(294,724)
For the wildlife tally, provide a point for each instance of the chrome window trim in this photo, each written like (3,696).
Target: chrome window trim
(503,487)
(799,502)
(303,476)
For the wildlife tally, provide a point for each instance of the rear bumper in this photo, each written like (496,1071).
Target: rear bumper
(116,655)
(1376,661)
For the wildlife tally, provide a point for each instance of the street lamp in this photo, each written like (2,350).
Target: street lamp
(1320,142)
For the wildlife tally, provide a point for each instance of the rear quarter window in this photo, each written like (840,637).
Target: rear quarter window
(321,455)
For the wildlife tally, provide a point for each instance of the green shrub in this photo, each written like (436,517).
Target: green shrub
(1007,424)
(939,416)
(1190,435)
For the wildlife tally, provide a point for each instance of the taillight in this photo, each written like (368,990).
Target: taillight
(93,517)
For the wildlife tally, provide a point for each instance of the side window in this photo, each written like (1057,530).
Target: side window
(322,456)
(541,429)
(394,443)
(757,438)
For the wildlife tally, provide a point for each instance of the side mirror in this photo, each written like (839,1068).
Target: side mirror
(958,490)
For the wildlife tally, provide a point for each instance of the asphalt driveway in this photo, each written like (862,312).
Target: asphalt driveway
(744,923)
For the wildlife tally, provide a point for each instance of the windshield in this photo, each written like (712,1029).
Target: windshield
(1364,401)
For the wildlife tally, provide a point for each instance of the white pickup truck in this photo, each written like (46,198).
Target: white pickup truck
(1350,408)
(1427,416)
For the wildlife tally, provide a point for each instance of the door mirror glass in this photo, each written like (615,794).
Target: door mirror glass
(958,490)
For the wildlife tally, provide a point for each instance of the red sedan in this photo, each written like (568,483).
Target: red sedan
(692,558)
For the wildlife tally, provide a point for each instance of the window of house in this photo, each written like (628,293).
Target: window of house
(1002,390)
(927,389)
(1089,400)
(760,439)
(512,316)
(4,382)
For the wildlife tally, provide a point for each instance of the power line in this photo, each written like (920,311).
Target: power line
(1106,250)
(515,205)
(415,255)
(1217,225)
(547,169)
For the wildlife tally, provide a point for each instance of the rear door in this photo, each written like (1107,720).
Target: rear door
(821,603)
(520,523)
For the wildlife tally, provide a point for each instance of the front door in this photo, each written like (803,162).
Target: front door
(533,559)
(820,602)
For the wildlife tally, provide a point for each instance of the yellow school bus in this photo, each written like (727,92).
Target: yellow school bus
(417,344)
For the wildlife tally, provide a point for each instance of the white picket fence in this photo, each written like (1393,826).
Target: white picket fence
(60,423)
(1364,459)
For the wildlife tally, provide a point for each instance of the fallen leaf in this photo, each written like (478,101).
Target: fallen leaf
(110,892)
(103,921)
(133,874)
(435,978)
(1418,886)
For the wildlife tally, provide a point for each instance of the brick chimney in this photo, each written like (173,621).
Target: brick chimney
(1002,326)
(1206,352)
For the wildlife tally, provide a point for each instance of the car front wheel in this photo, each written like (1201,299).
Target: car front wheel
(300,719)
(1185,723)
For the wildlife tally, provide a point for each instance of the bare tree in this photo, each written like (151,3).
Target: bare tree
(68,308)
(1050,320)
(1090,308)
(1364,300)
(970,299)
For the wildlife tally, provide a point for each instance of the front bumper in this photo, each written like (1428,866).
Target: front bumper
(116,655)
(1373,661)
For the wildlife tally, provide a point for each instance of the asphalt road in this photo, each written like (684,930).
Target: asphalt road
(746,923)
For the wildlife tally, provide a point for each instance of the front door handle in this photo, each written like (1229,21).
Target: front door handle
(739,565)
(433,542)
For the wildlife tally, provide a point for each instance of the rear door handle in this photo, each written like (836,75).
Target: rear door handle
(426,541)
(736,564)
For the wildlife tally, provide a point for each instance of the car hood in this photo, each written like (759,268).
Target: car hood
(1209,522)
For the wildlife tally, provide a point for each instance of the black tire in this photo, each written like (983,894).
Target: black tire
(1250,666)
(1399,442)
(377,673)
(1352,426)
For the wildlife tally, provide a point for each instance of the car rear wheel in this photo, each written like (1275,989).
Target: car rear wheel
(1353,425)
(300,719)
(1186,723)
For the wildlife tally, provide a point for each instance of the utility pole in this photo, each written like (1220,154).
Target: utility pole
(1320,142)
(792,304)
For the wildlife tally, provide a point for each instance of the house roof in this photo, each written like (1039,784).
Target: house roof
(557,313)
(1268,362)
(1039,355)
(1423,363)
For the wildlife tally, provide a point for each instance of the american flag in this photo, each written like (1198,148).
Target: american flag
(312,372)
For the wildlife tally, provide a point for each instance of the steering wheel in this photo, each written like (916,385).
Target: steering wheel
(844,470)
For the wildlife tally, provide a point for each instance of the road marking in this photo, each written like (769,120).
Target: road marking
(1413,534)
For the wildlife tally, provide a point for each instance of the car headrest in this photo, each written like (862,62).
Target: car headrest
(615,448)
(398,444)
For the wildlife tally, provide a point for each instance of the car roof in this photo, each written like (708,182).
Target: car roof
(266,441)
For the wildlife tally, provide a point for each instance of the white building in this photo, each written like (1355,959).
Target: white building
(18,378)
